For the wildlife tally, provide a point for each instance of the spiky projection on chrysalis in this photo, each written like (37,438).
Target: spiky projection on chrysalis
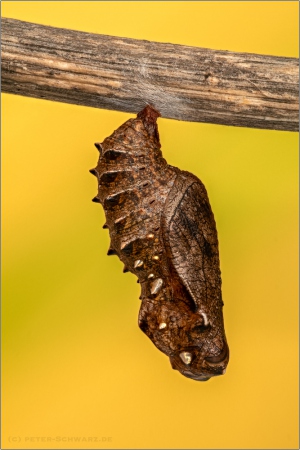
(162,228)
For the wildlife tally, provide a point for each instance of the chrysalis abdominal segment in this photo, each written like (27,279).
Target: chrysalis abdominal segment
(162,228)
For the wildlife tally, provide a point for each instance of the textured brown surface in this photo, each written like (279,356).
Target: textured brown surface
(182,82)
(162,227)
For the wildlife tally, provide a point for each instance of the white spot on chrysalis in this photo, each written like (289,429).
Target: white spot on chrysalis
(156,286)
(138,263)
(186,357)
(204,318)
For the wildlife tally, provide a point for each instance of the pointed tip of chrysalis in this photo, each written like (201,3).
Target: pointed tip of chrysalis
(98,147)
(111,251)
(96,200)
(105,226)
(93,172)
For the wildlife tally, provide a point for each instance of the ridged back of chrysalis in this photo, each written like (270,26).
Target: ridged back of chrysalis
(133,184)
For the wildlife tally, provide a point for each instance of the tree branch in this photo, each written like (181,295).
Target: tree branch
(184,83)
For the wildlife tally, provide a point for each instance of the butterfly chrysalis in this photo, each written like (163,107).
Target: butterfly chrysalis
(162,228)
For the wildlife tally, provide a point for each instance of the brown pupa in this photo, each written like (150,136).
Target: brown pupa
(162,227)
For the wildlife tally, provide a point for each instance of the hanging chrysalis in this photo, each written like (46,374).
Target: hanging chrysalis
(161,226)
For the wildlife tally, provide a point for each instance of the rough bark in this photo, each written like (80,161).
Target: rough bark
(183,83)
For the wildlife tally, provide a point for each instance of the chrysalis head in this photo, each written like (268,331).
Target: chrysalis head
(194,341)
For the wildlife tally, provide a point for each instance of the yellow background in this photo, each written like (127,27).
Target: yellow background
(75,364)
